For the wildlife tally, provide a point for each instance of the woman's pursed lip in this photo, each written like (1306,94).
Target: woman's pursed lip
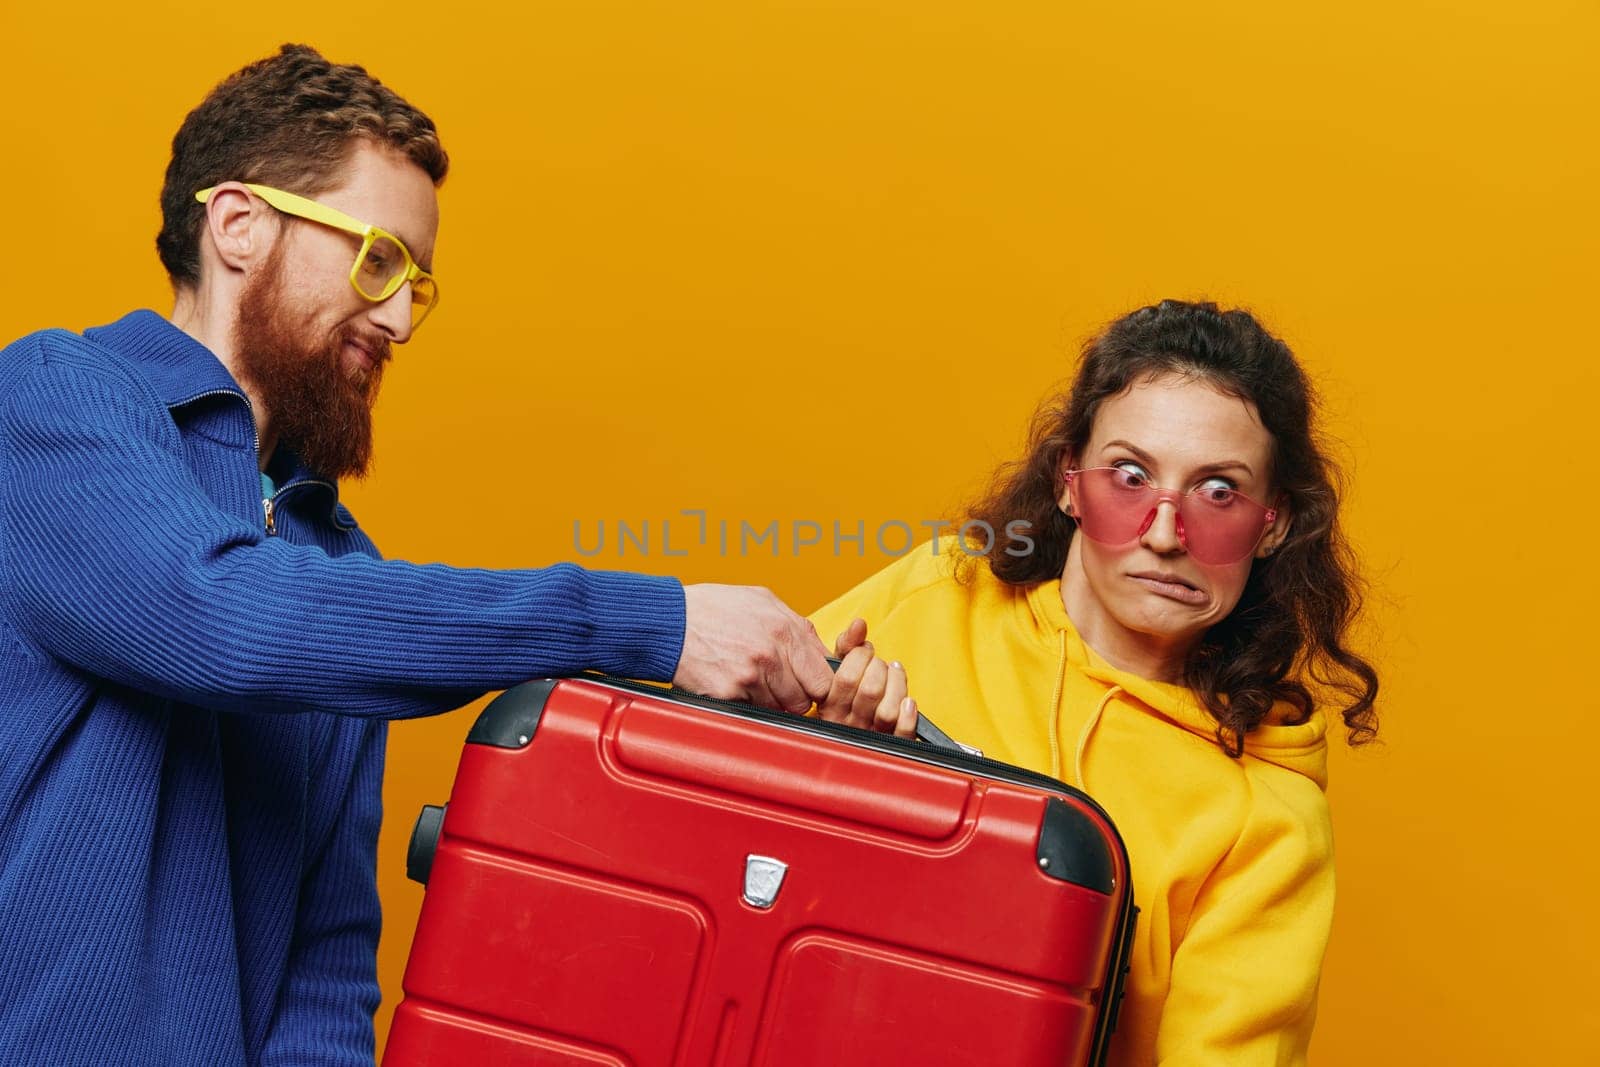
(1163,576)
(1173,588)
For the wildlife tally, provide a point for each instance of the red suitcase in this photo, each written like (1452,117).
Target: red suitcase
(632,875)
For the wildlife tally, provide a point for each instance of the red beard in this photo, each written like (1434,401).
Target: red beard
(319,410)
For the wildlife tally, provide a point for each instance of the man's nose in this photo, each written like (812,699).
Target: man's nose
(393,316)
(1161,530)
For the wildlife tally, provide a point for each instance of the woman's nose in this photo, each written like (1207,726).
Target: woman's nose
(1163,529)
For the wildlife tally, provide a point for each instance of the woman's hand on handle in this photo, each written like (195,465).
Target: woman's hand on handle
(868,692)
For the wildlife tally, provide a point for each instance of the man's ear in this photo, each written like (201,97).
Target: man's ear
(237,226)
(1278,532)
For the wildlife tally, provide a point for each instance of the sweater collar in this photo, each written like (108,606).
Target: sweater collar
(179,367)
(182,369)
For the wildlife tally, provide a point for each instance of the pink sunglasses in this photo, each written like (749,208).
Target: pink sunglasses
(1216,524)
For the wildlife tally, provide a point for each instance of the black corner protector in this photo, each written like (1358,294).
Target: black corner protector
(512,717)
(424,842)
(1073,848)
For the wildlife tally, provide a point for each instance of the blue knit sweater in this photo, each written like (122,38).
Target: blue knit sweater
(192,710)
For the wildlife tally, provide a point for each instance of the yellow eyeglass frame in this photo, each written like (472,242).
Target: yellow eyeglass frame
(304,208)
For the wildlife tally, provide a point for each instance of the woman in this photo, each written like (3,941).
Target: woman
(1163,661)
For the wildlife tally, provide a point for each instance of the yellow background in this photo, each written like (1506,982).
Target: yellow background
(819,261)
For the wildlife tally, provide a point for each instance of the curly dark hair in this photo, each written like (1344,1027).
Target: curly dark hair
(291,121)
(1298,604)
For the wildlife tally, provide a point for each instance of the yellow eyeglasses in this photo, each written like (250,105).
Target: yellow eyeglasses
(382,265)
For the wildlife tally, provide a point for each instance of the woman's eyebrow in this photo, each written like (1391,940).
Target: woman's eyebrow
(1208,468)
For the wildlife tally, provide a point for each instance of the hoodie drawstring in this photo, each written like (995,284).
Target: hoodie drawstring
(1055,706)
(1088,728)
(1055,719)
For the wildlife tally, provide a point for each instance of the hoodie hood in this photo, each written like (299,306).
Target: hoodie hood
(1301,748)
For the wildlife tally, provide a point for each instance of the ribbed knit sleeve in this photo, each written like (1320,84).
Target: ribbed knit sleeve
(126,570)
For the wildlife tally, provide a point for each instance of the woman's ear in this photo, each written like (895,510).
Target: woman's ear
(1278,532)
(1064,486)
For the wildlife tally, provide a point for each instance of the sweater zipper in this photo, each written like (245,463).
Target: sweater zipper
(255,440)
(270,504)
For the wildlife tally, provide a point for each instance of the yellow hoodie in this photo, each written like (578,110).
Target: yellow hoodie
(1232,860)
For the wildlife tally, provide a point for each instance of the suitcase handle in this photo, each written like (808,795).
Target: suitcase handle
(927,731)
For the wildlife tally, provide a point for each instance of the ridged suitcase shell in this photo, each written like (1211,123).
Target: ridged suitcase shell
(606,889)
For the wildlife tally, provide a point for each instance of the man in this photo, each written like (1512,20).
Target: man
(198,645)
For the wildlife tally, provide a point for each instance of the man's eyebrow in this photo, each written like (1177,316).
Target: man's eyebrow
(410,247)
(1208,468)
(394,231)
